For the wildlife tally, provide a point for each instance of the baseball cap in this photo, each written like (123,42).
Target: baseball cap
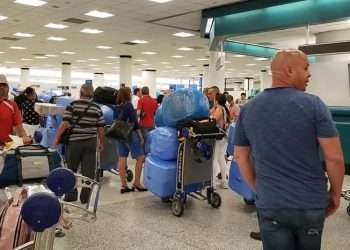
(3,79)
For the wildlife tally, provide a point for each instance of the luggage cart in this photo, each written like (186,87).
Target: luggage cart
(346,195)
(49,208)
(195,170)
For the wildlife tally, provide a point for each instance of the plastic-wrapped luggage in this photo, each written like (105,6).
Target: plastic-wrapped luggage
(164,143)
(159,177)
(182,105)
(159,117)
(64,101)
(108,113)
(47,136)
(28,162)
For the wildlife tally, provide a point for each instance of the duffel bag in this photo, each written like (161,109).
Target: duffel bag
(28,162)
(105,95)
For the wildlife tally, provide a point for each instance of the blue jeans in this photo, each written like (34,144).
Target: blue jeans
(291,229)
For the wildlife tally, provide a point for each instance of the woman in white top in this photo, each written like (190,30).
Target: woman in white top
(221,114)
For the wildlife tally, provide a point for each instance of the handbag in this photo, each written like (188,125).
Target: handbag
(64,139)
(120,130)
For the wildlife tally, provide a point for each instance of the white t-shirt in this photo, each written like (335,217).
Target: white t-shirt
(135,100)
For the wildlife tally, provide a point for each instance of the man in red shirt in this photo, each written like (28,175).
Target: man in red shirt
(10,116)
(146,110)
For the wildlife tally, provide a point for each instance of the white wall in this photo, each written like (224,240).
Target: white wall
(330,81)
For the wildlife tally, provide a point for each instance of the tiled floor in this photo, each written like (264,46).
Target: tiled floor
(142,221)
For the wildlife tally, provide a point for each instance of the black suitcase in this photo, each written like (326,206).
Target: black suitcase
(105,95)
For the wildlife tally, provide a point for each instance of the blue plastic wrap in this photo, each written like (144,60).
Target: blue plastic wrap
(64,101)
(108,114)
(159,176)
(231,139)
(164,143)
(184,104)
(237,183)
(159,117)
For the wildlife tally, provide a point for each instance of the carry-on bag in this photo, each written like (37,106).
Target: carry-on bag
(13,230)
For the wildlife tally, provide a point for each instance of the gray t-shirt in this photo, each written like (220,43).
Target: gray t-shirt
(281,125)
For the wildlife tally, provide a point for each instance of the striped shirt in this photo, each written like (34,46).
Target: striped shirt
(87,125)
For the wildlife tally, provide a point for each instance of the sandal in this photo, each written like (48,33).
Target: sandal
(126,189)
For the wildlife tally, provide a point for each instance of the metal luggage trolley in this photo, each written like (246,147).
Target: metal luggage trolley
(195,169)
(346,196)
(49,208)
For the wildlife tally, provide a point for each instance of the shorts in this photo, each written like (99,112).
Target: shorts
(134,147)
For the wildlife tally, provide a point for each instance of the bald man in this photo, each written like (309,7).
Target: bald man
(278,136)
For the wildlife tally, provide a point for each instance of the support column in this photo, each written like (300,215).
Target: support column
(205,79)
(265,80)
(216,73)
(125,75)
(99,80)
(66,74)
(25,77)
(149,79)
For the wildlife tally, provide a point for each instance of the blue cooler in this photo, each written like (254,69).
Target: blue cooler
(237,183)
(159,176)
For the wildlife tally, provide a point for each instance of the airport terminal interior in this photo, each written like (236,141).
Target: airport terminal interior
(174,51)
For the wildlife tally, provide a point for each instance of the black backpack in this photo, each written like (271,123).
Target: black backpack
(105,95)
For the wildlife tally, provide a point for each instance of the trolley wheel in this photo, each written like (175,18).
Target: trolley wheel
(348,210)
(177,207)
(249,202)
(215,200)
(129,175)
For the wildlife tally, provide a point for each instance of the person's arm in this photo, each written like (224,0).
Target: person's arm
(245,165)
(142,140)
(20,131)
(63,126)
(139,108)
(333,156)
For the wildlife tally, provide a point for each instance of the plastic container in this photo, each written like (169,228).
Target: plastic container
(159,176)
(164,143)
(184,104)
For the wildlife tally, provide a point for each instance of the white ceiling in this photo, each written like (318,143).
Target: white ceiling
(134,19)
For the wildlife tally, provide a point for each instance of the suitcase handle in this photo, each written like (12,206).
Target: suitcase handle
(31,147)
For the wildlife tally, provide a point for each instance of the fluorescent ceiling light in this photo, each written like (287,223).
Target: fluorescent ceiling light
(26,59)
(81,61)
(177,56)
(183,34)
(99,14)
(2,52)
(68,53)
(139,41)
(56,26)
(251,64)
(185,49)
(261,59)
(139,60)
(51,55)
(165,63)
(187,65)
(202,59)
(41,57)
(108,63)
(91,31)
(149,53)
(10,62)
(3,18)
(208,25)
(55,38)
(20,34)
(92,59)
(239,56)
(35,3)
(146,65)
(92,65)
(17,47)
(112,57)
(103,47)
(161,1)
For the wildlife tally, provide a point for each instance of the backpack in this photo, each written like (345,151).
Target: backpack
(14,231)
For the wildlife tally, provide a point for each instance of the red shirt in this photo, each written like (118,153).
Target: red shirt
(148,107)
(10,116)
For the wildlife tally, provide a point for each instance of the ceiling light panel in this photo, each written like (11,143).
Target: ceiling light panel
(17,47)
(51,55)
(261,59)
(91,31)
(68,52)
(56,26)
(239,56)
(185,49)
(55,38)
(21,34)
(139,41)
(160,1)
(103,47)
(177,56)
(35,3)
(112,57)
(99,14)
(183,34)
(149,53)
(3,18)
